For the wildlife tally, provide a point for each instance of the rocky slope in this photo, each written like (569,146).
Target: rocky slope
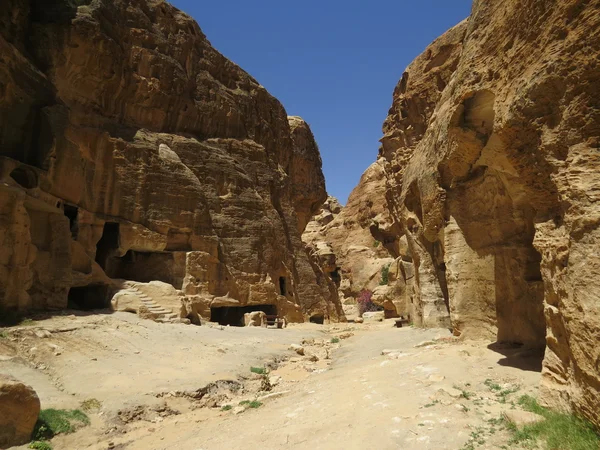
(355,245)
(491,157)
(131,149)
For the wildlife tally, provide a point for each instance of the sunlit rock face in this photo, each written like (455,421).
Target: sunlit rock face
(131,149)
(491,153)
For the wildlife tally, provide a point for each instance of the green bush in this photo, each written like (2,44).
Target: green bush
(385,275)
(258,370)
(335,340)
(40,445)
(56,421)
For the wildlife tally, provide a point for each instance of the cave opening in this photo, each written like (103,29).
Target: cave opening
(108,243)
(336,277)
(317,318)
(25,177)
(282,286)
(234,315)
(143,267)
(88,298)
(71,212)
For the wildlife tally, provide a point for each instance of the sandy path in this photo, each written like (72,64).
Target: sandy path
(413,397)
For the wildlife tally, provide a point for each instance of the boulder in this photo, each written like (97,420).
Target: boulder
(521,418)
(19,411)
(255,319)
(373,316)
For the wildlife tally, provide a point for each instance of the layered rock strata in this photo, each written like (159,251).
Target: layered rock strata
(491,153)
(132,150)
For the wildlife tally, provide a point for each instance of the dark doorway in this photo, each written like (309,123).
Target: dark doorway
(143,267)
(317,318)
(234,315)
(88,298)
(282,286)
(108,243)
(25,177)
(72,212)
(336,277)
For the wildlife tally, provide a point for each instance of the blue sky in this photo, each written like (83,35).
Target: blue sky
(333,62)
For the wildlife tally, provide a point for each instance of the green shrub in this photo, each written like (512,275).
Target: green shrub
(226,408)
(558,430)
(258,370)
(385,275)
(335,340)
(376,244)
(56,421)
(40,445)
(254,404)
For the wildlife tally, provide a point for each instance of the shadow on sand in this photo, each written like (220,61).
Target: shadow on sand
(519,357)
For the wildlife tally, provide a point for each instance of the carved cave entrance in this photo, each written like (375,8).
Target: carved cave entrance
(496,208)
(234,315)
(143,267)
(108,243)
(317,318)
(336,277)
(71,212)
(88,298)
(282,286)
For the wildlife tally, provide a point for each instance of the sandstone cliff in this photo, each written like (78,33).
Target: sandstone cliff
(491,157)
(130,149)
(352,245)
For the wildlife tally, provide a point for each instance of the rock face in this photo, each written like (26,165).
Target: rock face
(131,150)
(491,153)
(20,408)
(355,244)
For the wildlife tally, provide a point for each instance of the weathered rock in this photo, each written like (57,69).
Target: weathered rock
(255,319)
(373,316)
(349,242)
(521,418)
(131,149)
(20,407)
(490,152)
(298,349)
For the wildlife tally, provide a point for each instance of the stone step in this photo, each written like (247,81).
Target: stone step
(159,310)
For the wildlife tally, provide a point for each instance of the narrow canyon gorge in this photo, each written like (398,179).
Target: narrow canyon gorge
(145,176)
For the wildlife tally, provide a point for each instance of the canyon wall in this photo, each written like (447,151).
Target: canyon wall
(130,149)
(491,153)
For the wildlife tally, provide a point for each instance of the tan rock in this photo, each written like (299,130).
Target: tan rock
(490,155)
(373,316)
(155,159)
(521,418)
(20,408)
(255,319)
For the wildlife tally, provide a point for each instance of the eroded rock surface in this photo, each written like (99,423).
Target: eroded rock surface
(132,150)
(20,408)
(491,153)
(357,246)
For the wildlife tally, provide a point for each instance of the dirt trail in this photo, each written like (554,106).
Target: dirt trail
(378,387)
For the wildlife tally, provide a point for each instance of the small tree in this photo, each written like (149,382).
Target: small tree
(385,275)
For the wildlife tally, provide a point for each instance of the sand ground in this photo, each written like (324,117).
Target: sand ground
(357,386)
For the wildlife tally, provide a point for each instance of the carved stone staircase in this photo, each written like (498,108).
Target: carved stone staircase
(162,314)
